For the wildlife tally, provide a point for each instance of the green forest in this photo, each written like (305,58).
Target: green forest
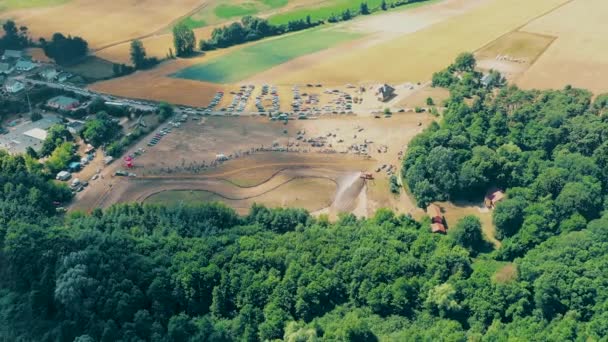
(202,273)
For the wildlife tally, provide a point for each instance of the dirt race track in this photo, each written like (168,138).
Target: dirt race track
(346,189)
(308,178)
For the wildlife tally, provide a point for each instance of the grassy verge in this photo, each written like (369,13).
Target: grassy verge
(335,7)
(6,5)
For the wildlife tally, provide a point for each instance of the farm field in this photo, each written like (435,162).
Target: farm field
(245,62)
(7,5)
(513,53)
(579,54)
(101,23)
(417,56)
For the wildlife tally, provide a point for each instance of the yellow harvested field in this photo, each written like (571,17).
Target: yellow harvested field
(104,23)
(513,53)
(517,44)
(416,56)
(579,56)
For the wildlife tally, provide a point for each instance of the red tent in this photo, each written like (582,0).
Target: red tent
(129,162)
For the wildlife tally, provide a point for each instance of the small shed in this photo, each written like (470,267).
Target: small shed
(437,224)
(386,92)
(493,197)
(438,228)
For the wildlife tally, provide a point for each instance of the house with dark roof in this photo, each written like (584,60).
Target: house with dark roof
(386,92)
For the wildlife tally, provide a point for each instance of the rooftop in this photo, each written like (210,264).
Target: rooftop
(21,136)
(12,54)
(63,100)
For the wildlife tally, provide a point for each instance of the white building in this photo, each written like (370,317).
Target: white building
(12,54)
(25,65)
(13,86)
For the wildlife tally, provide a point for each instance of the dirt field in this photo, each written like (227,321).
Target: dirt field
(579,55)
(103,23)
(312,178)
(513,53)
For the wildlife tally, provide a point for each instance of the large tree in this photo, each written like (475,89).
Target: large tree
(183,39)
(138,54)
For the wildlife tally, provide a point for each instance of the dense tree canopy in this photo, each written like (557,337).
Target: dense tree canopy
(184,40)
(101,130)
(200,272)
(65,50)
(546,148)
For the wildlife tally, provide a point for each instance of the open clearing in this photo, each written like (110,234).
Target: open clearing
(579,56)
(245,62)
(308,177)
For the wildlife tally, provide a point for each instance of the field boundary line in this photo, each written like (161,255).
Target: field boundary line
(156,32)
(518,28)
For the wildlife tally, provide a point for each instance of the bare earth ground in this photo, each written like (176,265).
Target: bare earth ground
(103,23)
(579,56)
(513,53)
(416,56)
(272,178)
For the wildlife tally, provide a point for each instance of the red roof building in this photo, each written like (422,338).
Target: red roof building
(493,198)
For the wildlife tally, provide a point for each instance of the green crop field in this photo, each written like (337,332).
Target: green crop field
(17,4)
(248,61)
(230,11)
(333,7)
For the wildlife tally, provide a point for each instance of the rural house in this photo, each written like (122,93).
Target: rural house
(386,92)
(13,86)
(63,103)
(493,198)
(5,68)
(25,65)
(437,225)
(11,54)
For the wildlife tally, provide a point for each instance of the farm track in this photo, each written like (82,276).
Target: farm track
(156,32)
